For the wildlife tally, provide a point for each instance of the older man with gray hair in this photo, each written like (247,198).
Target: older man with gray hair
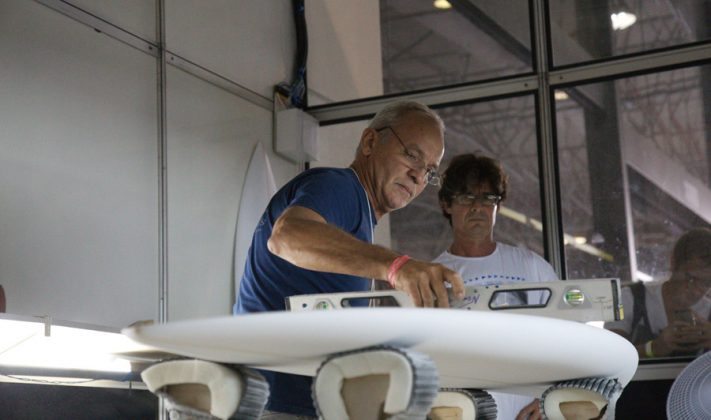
(317,231)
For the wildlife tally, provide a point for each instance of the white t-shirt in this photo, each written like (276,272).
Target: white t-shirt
(507,264)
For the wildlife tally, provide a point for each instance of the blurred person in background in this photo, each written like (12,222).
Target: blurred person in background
(673,317)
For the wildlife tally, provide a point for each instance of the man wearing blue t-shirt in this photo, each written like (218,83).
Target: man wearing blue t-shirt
(316,234)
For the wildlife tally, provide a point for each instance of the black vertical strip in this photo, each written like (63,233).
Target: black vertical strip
(532,32)
(549,35)
(616,300)
(557,189)
(545,124)
(542,184)
(298,86)
(703,33)
(554,145)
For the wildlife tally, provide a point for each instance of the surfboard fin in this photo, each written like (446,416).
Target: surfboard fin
(592,398)
(375,383)
(197,389)
(462,404)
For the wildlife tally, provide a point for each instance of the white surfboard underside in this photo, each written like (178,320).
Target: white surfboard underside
(472,349)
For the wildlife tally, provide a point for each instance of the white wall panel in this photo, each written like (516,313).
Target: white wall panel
(211,134)
(78,170)
(135,16)
(251,43)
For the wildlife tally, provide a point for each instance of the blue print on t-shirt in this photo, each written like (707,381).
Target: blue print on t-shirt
(490,279)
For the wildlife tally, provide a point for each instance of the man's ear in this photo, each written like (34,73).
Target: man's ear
(367,141)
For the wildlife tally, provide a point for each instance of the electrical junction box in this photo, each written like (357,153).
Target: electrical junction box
(296,135)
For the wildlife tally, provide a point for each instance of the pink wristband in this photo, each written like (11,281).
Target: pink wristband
(394,267)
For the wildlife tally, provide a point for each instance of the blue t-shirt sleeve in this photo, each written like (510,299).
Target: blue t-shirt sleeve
(333,196)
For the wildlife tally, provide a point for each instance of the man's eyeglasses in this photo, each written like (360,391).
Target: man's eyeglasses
(416,162)
(486,199)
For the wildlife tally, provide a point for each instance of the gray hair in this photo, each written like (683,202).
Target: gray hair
(395,111)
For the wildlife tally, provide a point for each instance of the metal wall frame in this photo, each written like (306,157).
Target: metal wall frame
(157,49)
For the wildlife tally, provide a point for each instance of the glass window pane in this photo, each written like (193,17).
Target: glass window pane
(635,174)
(503,129)
(414,45)
(474,40)
(590,29)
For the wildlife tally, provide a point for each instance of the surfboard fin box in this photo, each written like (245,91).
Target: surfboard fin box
(375,383)
(575,300)
(198,389)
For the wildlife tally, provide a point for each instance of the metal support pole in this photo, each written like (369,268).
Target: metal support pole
(552,230)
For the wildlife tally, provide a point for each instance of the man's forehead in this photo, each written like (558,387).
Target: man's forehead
(428,147)
(431,157)
(416,122)
(475,183)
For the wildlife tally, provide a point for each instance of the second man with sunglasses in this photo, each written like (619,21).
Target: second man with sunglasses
(473,186)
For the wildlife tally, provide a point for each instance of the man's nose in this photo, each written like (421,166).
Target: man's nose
(418,175)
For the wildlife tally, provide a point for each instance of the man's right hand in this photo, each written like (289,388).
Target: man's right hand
(425,283)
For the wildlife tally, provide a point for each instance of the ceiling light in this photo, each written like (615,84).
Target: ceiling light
(442,4)
(622,20)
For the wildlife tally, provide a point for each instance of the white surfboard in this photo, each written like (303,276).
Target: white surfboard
(471,349)
(259,187)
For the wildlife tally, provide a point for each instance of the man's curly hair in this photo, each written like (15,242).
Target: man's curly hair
(467,171)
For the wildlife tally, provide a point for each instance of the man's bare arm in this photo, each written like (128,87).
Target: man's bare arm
(304,238)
